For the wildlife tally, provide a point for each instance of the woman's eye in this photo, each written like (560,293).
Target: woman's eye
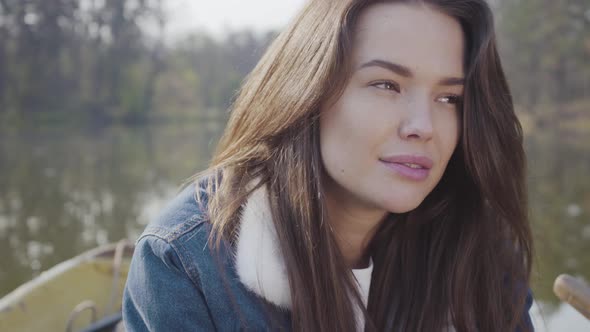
(387,86)
(451,99)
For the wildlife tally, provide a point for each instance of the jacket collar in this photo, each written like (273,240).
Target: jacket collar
(259,262)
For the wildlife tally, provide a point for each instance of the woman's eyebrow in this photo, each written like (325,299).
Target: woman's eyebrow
(406,72)
(393,67)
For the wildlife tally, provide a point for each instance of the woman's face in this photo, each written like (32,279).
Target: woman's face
(385,143)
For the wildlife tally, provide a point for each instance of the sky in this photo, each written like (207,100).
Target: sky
(219,16)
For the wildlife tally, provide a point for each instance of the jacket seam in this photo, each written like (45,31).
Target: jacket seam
(192,273)
(170,235)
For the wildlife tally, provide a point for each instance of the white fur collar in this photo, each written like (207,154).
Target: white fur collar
(259,262)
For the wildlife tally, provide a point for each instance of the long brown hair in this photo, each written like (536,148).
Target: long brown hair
(463,257)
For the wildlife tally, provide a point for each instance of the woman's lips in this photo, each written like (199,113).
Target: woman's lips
(414,168)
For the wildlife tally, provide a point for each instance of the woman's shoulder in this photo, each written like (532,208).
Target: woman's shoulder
(180,234)
(179,237)
(184,216)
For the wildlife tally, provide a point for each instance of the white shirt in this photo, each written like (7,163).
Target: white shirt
(363,279)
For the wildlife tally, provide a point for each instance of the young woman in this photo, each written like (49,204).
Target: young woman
(371,177)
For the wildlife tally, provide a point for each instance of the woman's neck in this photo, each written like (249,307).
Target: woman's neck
(354,227)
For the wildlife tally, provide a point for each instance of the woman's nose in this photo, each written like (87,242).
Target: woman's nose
(417,123)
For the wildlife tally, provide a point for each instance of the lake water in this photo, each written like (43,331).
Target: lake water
(63,191)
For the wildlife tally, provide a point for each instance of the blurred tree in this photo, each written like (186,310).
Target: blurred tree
(92,59)
(68,56)
(546,48)
(222,64)
(177,93)
(202,74)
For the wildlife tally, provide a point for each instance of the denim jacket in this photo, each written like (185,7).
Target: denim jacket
(177,282)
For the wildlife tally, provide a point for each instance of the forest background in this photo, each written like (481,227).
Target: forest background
(102,62)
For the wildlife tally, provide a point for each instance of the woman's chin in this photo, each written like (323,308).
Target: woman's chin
(403,204)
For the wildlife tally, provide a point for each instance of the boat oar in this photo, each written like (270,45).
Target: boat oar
(573,291)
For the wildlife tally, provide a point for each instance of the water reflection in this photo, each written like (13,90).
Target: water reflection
(559,187)
(65,191)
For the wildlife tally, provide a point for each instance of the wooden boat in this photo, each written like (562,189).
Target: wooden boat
(80,294)
(85,292)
